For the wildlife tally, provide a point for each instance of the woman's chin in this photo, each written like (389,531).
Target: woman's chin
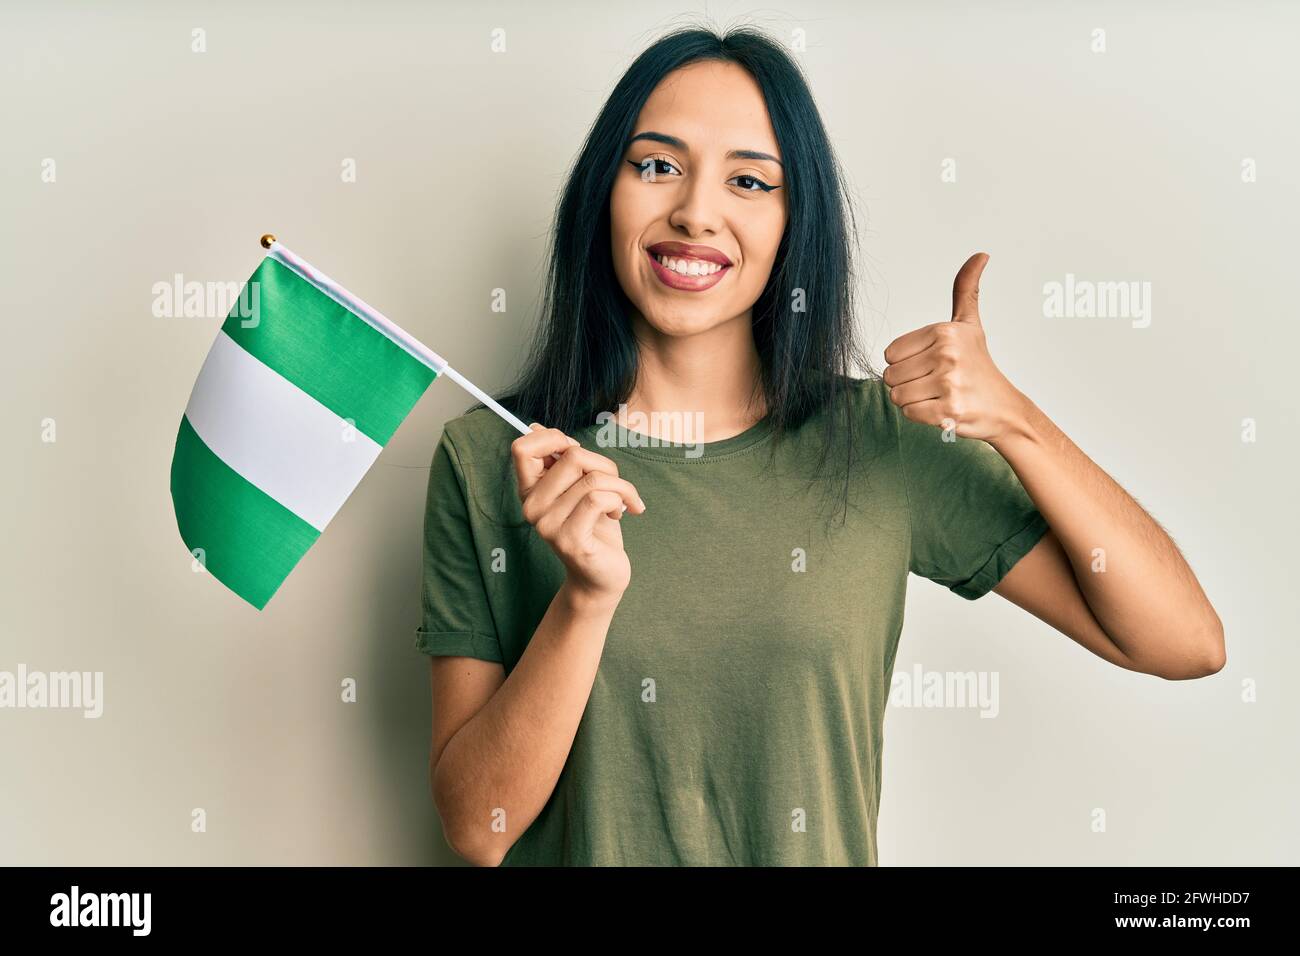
(680,326)
(676,319)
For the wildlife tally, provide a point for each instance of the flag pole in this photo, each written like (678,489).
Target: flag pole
(388,328)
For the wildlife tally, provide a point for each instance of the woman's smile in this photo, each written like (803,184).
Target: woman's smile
(687,268)
(687,275)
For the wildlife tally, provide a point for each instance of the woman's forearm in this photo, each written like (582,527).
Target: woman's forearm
(497,772)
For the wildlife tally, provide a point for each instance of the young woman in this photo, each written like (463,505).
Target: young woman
(672,644)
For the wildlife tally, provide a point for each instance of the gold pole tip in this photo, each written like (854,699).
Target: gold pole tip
(267,240)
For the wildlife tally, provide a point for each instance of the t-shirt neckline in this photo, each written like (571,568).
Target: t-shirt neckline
(653,448)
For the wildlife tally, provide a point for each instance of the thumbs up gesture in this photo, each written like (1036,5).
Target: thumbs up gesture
(942,374)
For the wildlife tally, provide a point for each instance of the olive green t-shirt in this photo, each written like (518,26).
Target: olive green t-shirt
(737,714)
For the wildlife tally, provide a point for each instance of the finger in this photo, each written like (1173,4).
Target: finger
(910,343)
(966,289)
(629,497)
(577,461)
(553,457)
(919,390)
(928,412)
(581,524)
(548,517)
(909,369)
(530,452)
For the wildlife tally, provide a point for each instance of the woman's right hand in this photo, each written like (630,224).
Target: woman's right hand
(576,503)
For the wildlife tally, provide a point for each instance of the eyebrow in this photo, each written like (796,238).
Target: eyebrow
(676,143)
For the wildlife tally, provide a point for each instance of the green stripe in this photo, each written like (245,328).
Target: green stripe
(250,541)
(335,357)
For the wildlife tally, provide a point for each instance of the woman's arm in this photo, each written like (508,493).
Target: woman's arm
(1106,573)
(500,743)
(1105,548)
(507,739)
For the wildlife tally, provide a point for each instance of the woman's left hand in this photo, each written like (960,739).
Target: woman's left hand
(942,374)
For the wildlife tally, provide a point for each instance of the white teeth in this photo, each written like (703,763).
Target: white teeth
(689,267)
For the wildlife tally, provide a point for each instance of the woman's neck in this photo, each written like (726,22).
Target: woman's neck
(705,383)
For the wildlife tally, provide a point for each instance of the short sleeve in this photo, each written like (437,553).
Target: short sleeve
(457,618)
(971,517)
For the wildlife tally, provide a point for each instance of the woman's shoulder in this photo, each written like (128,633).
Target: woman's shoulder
(869,399)
(479,435)
(869,389)
(855,410)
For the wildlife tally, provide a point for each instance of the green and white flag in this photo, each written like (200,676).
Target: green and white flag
(294,402)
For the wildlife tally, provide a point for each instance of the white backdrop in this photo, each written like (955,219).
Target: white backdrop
(390,145)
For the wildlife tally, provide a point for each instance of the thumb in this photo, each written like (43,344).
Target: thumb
(966,289)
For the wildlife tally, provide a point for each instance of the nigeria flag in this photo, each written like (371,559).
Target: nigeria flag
(291,408)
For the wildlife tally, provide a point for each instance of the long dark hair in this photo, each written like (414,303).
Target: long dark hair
(583,358)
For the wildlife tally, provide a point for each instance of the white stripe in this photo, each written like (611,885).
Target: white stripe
(276,435)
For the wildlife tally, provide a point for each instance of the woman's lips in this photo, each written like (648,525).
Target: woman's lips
(676,280)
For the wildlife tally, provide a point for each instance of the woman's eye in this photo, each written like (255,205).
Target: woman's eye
(759,185)
(649,168)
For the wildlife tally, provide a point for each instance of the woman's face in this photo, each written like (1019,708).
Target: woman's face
(693,193)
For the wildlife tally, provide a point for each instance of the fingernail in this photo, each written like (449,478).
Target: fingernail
(641,503)
(624,507)
(573,441)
